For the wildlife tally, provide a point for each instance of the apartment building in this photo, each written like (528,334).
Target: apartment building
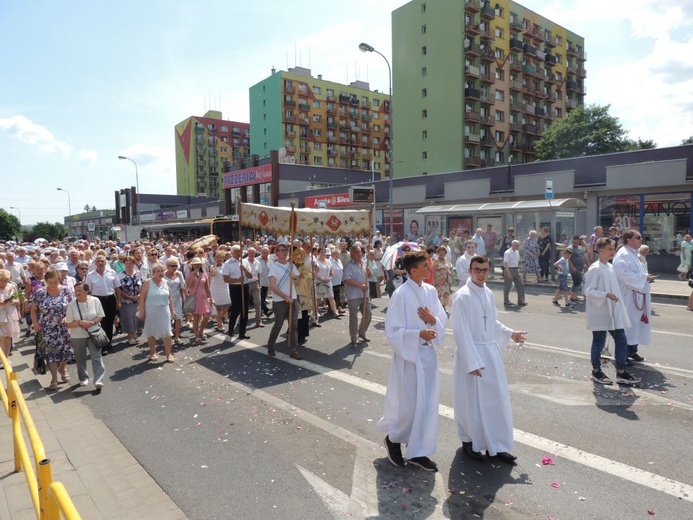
(206,147)
(477,82)
(311,121)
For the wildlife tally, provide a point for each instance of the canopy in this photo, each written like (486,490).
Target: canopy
(500,207)
(307,221)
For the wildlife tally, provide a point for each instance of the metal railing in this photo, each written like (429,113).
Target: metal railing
(50,499)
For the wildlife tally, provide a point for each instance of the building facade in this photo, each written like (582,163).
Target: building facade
(315,122)
(206,147)
(477,82)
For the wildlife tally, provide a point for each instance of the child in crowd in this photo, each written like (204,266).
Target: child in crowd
(563,268)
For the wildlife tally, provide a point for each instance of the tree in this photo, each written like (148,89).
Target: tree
(86,208)
(49,231)
(688,141)
(10,227)
(586,131)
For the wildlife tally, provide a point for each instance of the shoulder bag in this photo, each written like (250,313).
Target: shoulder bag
(96,333)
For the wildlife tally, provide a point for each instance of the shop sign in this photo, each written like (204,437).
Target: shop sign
(328,201)
(255,175)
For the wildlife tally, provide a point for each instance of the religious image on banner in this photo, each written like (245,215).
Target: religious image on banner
(462,225)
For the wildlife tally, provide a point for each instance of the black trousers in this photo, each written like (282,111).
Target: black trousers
(303,326)
(544,261)
(239,308)
(263,298)
(109,309)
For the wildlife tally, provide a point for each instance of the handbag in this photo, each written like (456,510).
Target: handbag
(39,361)
(96,333)
(189,304)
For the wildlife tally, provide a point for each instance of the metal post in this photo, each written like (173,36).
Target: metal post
(137,185)
(69,204)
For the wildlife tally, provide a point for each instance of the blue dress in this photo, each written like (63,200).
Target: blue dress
(54,339)
(157,314)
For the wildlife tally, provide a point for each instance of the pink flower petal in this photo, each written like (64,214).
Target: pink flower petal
(555,485)
(547,461)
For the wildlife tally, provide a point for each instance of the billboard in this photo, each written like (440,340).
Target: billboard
(255,175)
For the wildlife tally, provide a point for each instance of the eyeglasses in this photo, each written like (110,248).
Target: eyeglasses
(80,268)
(281,250)
(476,270)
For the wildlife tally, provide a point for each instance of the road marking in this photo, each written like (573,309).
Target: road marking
(644,478)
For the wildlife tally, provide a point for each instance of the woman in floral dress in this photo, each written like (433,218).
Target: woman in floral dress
(130,288)
(531,259)
(442,276)
(48,310)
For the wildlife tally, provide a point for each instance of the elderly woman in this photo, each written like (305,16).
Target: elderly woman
(322,272)
(81,271)
(48,311)
(197,285)
(9,315)
(130,288)
(219,290)
(84,313)
(531,258)
(156,310)
(176,286)
(337,285)
(442,276)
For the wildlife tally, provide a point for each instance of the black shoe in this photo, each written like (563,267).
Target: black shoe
(523,304)
(506,457)
(243,336)
(469,452)
(508,304)
(394,452)
(424,463)
(104,352)
(625,378)
(600,377)
(555,302)
(636,357)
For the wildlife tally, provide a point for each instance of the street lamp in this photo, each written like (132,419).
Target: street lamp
(18,212)
(69,204)
(137,185)
(364,47)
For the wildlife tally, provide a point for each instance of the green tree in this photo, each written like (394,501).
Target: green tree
(688,141)
(49,231)
(86,208)
(586,131)
(10,227)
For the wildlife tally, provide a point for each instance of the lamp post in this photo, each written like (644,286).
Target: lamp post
(69,204)
(137,185)
(364,47)
(18,213)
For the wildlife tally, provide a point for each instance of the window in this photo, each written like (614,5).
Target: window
(424,156)
(559,58)
(376,102)
(316,90)
(317,146)
(500,116)
(499,53)
(499,136)
(559,112)
(423,51)
(423,7)
(376,166)
(330,92)
(424,134)
(423,29)
(226,149)
(303,88)
(316,132)
(424,114)
(423,72)
(499,33)
(500,74)
(317,159)
(316,103)
(424,92)
(317,118)
(376,128)
(500,95)
(224,128)
(500,12)
(500,157)
(376,140)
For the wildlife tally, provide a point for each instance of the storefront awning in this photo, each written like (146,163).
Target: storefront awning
(504,207)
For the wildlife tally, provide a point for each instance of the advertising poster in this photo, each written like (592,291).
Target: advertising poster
(432,227)
(462,225)
(413,224)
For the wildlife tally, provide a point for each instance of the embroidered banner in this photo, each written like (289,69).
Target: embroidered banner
(307,221)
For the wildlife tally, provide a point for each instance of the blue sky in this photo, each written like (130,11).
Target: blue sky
(84,82)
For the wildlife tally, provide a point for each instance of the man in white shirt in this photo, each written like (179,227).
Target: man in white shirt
(265,264)
(282,274)
(480,242)
(511,272)
(253,265)
(464,261)
(17,274)
(104,283)
(234,273)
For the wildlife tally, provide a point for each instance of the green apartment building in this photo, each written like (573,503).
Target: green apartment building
(476,83)
(320,123)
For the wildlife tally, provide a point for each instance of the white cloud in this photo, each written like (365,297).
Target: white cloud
(156,167)
(88,156)
(31,133)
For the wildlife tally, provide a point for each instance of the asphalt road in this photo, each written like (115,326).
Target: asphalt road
(230,433)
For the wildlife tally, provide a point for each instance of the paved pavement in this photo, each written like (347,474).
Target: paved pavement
(102,477)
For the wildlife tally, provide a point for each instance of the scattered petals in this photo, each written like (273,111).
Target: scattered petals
(204,466)
(649,512)
(582,499)
(555,485)
(547,461)
(509,502)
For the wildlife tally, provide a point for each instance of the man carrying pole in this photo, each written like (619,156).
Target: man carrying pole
(234,273)
(281,284)
(357,292)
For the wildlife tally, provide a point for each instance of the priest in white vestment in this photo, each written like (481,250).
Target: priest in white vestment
(462,264)
(480,388)
(415,326)
(635,285)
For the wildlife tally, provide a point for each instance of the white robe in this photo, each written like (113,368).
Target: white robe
(632,280)
(462,268)
(602,313)
(482,404)
(411,402)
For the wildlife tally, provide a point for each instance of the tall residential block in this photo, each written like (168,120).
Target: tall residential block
(316,122)
(476,83)
(205,148)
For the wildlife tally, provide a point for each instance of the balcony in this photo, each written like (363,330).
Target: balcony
(549,42)
(515,127)
(365,104)
(488,78)
(486,162)
(581,72)
(572,86)
(331,152)
(486,34)
(332,139)
(516,45)
(516,26)
(528,109)
(288,118)
(550,60)
(290,148)
(516,85)
(488,12)
(366,130)
(488,120)
(487,99)
(344,139)
(472,6)
(471,117)
(472,138)
(531,70)
(471,71)
(303,121)
(330,98)
(304,107)
(331,111)
(332,125)
(530,50)
(366,117)
(549,77)
(289,88)
(474,161)
(573,50)
(487,141)
(530,129)
(487,54)
(515,65)
(471,49)
(541,112)
(571,103)
(472,93)
(471,29)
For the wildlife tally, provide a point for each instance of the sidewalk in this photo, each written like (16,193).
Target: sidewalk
(102,478)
